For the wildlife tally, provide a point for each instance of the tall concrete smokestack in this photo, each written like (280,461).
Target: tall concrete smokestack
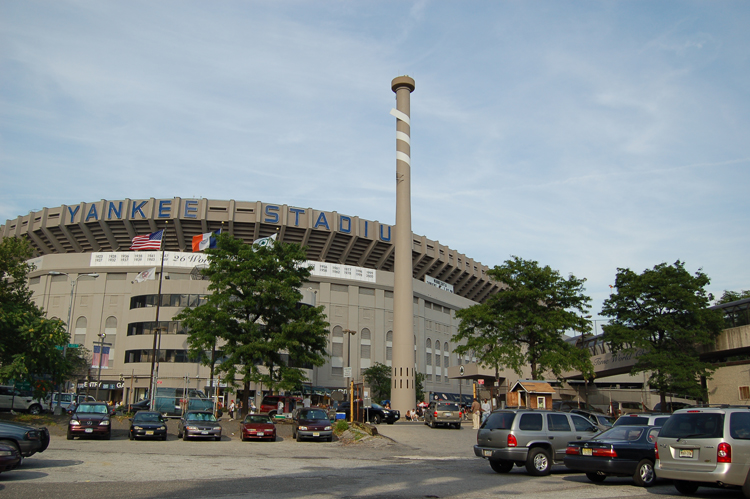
(403,394)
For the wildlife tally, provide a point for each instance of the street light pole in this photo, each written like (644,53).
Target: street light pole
(101,356)
(350,381)
(73,282)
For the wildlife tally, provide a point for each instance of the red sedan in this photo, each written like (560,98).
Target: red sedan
(257,426)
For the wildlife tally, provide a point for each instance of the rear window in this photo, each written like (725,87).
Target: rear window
(694,425)
(447,407)
(500,421)
(631,421)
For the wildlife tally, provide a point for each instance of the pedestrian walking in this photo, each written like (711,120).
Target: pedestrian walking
(476,411)
(486,410)
(231,410)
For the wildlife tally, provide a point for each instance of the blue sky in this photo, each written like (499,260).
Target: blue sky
(584,135)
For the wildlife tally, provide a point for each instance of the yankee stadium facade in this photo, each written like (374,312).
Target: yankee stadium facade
(352,262)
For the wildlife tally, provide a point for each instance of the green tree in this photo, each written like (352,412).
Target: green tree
(419,386)
(28,340)
(379,379)
(664,313)
(730,296)
(266,336)
(525,323)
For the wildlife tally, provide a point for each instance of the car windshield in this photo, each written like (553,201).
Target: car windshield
(93,408)
(200,416)
(257,418)
(622,433)
(143,417)
(313,414)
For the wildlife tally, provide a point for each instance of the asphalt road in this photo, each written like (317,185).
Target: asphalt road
(409,461)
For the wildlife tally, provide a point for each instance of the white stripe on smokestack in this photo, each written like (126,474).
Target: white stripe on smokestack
(403,394)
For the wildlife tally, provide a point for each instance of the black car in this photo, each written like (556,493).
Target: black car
(147,424)
(26,439)
(90,419)
(376,414)
(141,405)
(620,451)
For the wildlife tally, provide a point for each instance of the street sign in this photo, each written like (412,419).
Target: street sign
(347,372)
(73,345)
(480,381)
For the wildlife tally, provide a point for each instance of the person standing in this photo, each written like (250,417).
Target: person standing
(476,411)
(486,409)
(280,408)
(306,402)
(231,410)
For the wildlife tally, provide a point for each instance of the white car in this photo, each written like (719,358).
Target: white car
(15,399)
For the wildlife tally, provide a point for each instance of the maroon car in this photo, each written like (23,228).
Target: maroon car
(90,419)
(10,458)
(257,426)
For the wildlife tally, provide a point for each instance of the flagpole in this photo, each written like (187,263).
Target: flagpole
(157,331)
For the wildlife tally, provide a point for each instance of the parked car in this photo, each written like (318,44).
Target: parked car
(141,405)
(270,404)
(671,406)
(174,401)
(533,438)
(705,446)
(257,427)
(443,413)
(620,408)
(642,419)
(12,398)
(198,424)
(148,424)
(621,451)
(26,439)
(91,419)
(601,421)
(311,422)
(68,401)
(10,457)
(568,405)
(376,413)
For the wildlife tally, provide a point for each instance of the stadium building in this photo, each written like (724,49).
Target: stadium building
(85,272)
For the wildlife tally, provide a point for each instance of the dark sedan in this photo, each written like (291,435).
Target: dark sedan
(257,426)
(10,457)
(26,439)
(620,451)
(148,425)
(311,422)
(90,419)
(198,424)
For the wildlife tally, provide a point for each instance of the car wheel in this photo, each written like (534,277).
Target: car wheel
(432,423)
(108,436)
(501,466)
(218,439)
(299,437)
(391,422)
(184,437)
(644,474)
(164,438)
(596,477)
(272,414)
(10,443)
(131,436)
(684,487)
(377,419)
(538,462)
(70,436)
(330,439)
(35,409)
(458,426)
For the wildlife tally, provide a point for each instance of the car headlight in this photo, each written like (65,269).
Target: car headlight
(104,423)
(303,428)
(326,428)
(137,428)
(161,428)
(74,422)
(385,413)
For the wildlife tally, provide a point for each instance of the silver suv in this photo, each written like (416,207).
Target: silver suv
(536,439)
(705,446)
(443,413)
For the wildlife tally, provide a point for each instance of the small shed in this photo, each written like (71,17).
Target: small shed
(532,394)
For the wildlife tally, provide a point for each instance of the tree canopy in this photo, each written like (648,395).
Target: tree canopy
(525,323)
(730,296)
(266,336)
(29,342)
(663,312)
(379,379)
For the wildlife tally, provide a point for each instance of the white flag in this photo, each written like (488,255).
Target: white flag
(148,274)
(263,242)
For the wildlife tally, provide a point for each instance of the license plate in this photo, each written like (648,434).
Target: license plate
(316,434)
(89,430)
(586,452)
(260,433)
(686,453)
(447,414)
(204,433)
(487,453)
(149,432)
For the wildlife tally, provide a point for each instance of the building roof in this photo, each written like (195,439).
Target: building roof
(532,386)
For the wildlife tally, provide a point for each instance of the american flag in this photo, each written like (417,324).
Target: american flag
(149,242)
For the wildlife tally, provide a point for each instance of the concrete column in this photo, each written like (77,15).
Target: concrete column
(403,394)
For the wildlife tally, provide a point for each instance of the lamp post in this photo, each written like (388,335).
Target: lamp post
(58,409)
(350,381)
(101,356)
